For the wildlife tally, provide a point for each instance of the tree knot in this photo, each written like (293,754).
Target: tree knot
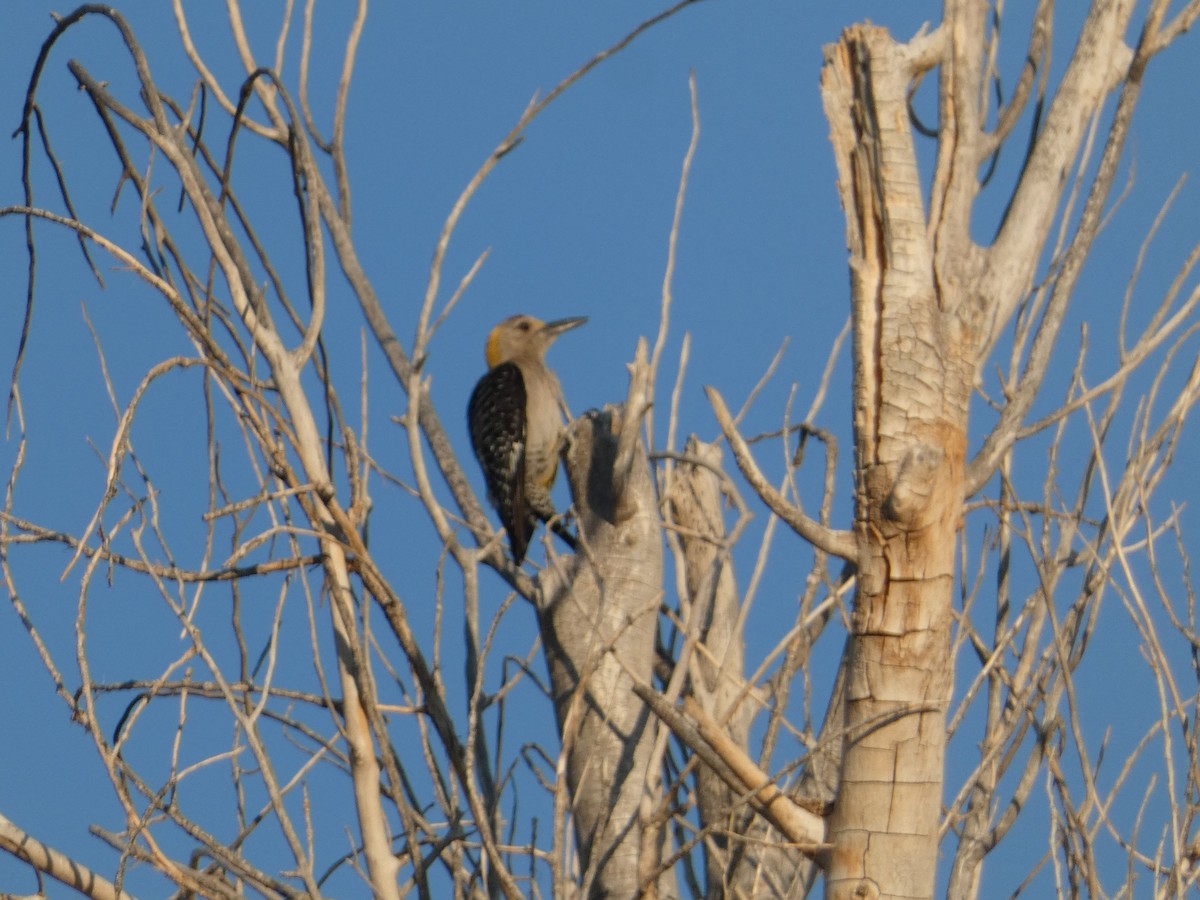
(916,480)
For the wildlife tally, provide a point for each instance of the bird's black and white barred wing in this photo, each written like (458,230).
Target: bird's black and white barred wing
(496,419)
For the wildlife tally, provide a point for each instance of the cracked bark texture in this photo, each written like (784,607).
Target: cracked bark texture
(927,305)
(912,380)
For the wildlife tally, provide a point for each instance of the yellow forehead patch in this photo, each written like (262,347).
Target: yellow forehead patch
(492,351)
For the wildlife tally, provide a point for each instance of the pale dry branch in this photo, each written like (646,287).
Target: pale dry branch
(57,865)
(706,738)
(664,316)
(274,133)
(836,543)
(436,801)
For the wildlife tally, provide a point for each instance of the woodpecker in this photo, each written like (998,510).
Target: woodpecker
(516,425)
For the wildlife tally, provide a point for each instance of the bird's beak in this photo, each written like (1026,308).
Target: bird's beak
(557,327)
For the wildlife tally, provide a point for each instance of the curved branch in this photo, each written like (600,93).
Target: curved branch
(276,133)
(1035,67)
(837,543)
(516,135)
(385,336)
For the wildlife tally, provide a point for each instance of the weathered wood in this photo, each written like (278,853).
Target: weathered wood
(912,382)
(598,617)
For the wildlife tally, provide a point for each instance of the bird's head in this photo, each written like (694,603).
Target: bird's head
(525,337)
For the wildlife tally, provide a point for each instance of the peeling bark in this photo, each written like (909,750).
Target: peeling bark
(927,305)
(912,383)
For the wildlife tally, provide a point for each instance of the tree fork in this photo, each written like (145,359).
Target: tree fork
(597,613)
(912,379)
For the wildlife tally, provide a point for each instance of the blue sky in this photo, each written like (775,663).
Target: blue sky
(576,220)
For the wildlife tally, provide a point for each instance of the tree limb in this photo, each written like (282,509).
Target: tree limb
(836,543)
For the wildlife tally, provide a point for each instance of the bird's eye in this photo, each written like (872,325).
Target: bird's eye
(523,324)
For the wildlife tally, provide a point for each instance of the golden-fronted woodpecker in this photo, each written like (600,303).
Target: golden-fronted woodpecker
(516,425)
